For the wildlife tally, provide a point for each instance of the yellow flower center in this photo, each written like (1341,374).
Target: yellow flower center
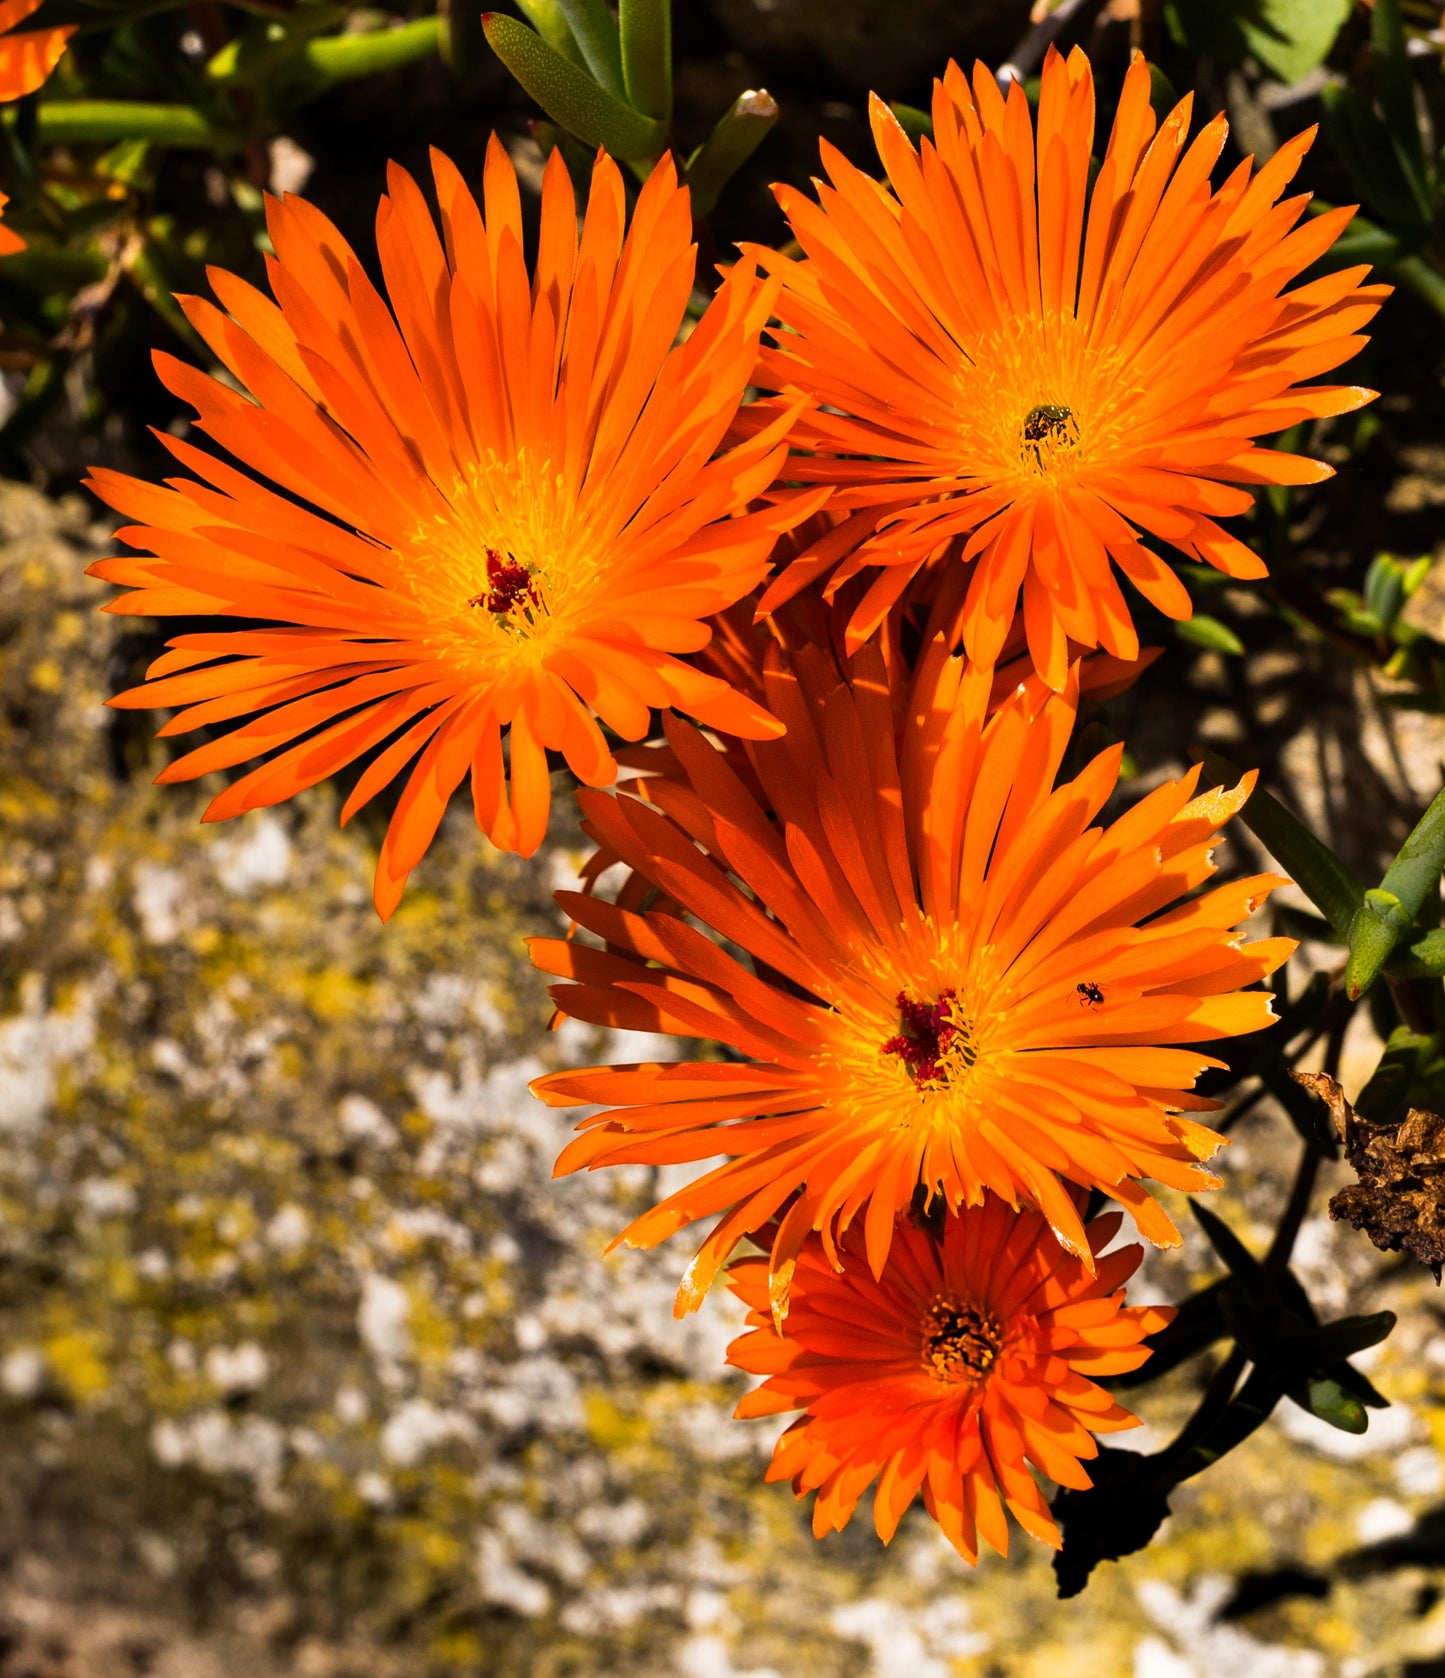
(960,1341)
(503,574)
(1037,405)
(910,1036)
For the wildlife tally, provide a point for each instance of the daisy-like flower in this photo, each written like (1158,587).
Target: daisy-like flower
(947,978)
(27,57)
(500,504)
(968,1360)
(737,653)
(1040,379)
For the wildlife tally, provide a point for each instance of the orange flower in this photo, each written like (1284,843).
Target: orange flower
(28,58)
(502,504)
(991,362)
(968,1359)
(957,982)
(10,242)
(737,653)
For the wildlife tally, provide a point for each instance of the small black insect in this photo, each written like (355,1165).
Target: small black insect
(1090,996)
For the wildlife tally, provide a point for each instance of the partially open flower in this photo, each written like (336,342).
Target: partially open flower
(1047,374)
(500,506)
(28,56)
(10,241)
(945,976)
(970,1359)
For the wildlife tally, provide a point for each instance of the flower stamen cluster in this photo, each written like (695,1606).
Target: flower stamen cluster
(936,1039)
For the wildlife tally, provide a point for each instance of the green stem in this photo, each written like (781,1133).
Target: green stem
(341,58)
(74,121)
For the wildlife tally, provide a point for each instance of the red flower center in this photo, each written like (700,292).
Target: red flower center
(960,1340)
(932,1034)
(509,584)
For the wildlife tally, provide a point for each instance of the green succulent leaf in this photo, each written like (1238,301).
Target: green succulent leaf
(1204,631)
(1328,883)
(569,95)
(1385,588)
(1323,1396)
(1424,958)
(1378,170)
(645,28)
(1343,1339)
(738,135)
(1229,1249)
(1388,912)
(1411,1071)
(1288,37)
(595,31)
(1395,87)
(550,22)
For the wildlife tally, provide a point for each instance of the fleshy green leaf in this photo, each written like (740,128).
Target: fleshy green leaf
(1411,1067)
(1386,914)
(737,136)
(595,31)
(550,22)
(1343,1339)
(1205,631)
(1422,959)
(1324,1397)
(1385,588)
(570,96)
(645,27)
(1288,37)
(1328,883)
(1395,86)
(1231,1251)
(1372,158)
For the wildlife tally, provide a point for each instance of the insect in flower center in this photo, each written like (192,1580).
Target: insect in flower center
(936,1041)
(511,595)
(1048,428)
(960,1340)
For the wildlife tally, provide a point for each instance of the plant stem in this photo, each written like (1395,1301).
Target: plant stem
(1216,1397)
(1298,1204)
(73,121)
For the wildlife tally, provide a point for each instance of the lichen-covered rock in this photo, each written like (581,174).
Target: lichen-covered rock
(308,1367)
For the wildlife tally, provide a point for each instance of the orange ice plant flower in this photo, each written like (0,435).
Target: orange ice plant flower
(948,978)
(968,1360)
(1049,378)
(10,242)
(27,58)
(500,505)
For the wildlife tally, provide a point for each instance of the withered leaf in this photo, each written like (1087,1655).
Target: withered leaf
(1399,1201)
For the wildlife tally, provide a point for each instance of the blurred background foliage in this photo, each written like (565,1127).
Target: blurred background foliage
(201,1232)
